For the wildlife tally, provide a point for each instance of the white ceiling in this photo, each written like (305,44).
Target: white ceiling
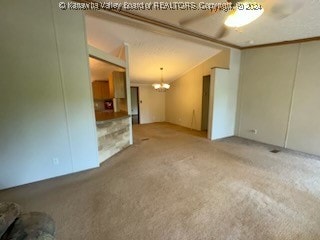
(304,23)
(152,47)
(148,50)
(100,70)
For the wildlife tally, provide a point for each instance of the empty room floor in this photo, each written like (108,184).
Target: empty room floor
(172,183)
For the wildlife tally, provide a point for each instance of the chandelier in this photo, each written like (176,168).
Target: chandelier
(161,87)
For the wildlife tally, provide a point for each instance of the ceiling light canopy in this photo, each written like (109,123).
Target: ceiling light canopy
(161,87)
(243,15)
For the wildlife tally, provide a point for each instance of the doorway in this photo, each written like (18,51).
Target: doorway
(135,110)
(205,102)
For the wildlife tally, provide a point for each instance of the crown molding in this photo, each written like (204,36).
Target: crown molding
(302,40)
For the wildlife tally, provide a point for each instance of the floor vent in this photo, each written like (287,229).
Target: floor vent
(275,151)
(144,139)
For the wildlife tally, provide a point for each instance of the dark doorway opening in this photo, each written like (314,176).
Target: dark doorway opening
(135,110)
(205,102)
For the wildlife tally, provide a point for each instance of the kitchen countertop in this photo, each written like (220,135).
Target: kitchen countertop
(103,117)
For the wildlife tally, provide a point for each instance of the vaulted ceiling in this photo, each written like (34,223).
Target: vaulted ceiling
(152,47)
(101,70)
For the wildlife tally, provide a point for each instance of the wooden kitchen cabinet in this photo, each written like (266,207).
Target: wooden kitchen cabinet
(101,90)
(117,81)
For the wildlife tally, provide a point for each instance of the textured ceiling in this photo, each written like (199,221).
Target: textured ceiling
(149,50)
(152,47)
(303,23)
(100,70)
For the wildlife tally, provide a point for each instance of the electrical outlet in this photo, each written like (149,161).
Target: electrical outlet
(254,131)
(55,161)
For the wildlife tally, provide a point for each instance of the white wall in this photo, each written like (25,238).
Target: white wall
(152,104)
(184,98)
(304,124)
(225,104)
(279,96)
(45,93)
(223,98)
(266,88)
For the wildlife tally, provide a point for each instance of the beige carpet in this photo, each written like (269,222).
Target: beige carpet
(174,184)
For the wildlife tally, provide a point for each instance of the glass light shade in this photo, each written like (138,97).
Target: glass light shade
(166,85)
(243,17)
(156,85)
(161,86)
